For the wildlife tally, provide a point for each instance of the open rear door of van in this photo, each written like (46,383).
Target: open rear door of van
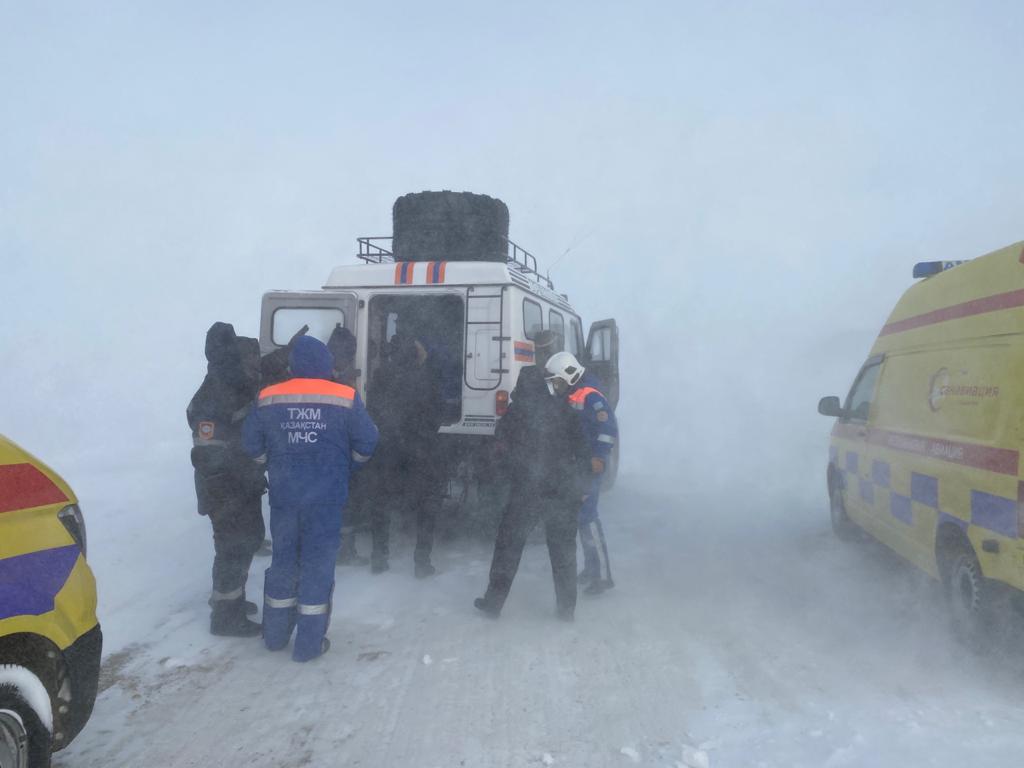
(283,313)
(603,358)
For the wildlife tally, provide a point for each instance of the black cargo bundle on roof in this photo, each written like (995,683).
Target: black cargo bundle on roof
(449,226)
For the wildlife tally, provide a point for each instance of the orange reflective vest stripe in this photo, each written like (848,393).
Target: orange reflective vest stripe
(579,397)
(308,391)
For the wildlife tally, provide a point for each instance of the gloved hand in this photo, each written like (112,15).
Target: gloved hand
(597,465)
(301,332)
(254,479)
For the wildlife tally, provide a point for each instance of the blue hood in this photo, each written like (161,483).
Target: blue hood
(310,359)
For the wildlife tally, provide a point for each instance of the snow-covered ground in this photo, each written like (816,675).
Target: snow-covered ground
(737,636)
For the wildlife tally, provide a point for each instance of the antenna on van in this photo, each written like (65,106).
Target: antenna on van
(578,240)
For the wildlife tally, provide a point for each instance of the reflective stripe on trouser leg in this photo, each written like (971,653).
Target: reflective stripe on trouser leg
(280,588)
(320,534)
(234,594)
(588,536)
(604,568)
(595,551)
(591,564)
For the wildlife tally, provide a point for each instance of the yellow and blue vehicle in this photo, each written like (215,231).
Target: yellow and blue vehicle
(925,454)
(50,638)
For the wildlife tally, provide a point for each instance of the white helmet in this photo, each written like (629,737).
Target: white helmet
(564,366)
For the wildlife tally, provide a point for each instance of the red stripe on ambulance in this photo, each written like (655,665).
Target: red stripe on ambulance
(994,303)
(1003,461)
(23,486)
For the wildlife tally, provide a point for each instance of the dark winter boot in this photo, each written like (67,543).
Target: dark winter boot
(378,562)
(565,613)
(487,608)
(597,586)
(347,554)
(228,620)
(250,607)
(325,646)
(424,569)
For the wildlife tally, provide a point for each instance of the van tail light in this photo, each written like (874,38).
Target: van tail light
(73,521)
(501,402)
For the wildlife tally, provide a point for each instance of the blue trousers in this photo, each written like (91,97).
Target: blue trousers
(595,550)
(299,583)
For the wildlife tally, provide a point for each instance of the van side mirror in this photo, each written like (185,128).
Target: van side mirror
(829,406)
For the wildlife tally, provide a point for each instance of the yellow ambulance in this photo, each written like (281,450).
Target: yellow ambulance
(50,639)
(925,454)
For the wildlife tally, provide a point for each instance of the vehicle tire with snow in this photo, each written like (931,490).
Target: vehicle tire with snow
(24,740)
(449,226)
(972,600)
(842,526)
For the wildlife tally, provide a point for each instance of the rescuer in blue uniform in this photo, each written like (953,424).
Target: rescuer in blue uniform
(569,378)
(313,432)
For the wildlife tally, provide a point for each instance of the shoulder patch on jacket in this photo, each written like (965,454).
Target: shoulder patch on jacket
(205,430)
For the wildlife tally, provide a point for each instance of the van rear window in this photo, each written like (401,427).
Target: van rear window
(321,321)
(533,318)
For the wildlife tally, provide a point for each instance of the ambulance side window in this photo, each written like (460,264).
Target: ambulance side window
(858,404)
(533,318)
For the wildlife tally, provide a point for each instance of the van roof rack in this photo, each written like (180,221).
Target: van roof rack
(372,250)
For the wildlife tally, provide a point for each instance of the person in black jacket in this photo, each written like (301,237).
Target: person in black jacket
(542,444)
(532,378)
(409,472)
(229,485)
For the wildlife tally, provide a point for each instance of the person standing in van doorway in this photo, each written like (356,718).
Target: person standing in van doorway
(313,433)
(342,346)
(409,475)
(229,484)
(569,379)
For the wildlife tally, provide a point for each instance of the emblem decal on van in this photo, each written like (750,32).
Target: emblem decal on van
(937,388)
(523,351)
(942,386)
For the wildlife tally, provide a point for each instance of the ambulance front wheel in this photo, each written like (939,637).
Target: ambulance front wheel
(24,740)
(971,600)
(842,526)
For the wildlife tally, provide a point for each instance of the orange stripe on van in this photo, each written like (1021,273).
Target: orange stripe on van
(309,387)
(994,303)
(1003,461)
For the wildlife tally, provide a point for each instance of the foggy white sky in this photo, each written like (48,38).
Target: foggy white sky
(746,186)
